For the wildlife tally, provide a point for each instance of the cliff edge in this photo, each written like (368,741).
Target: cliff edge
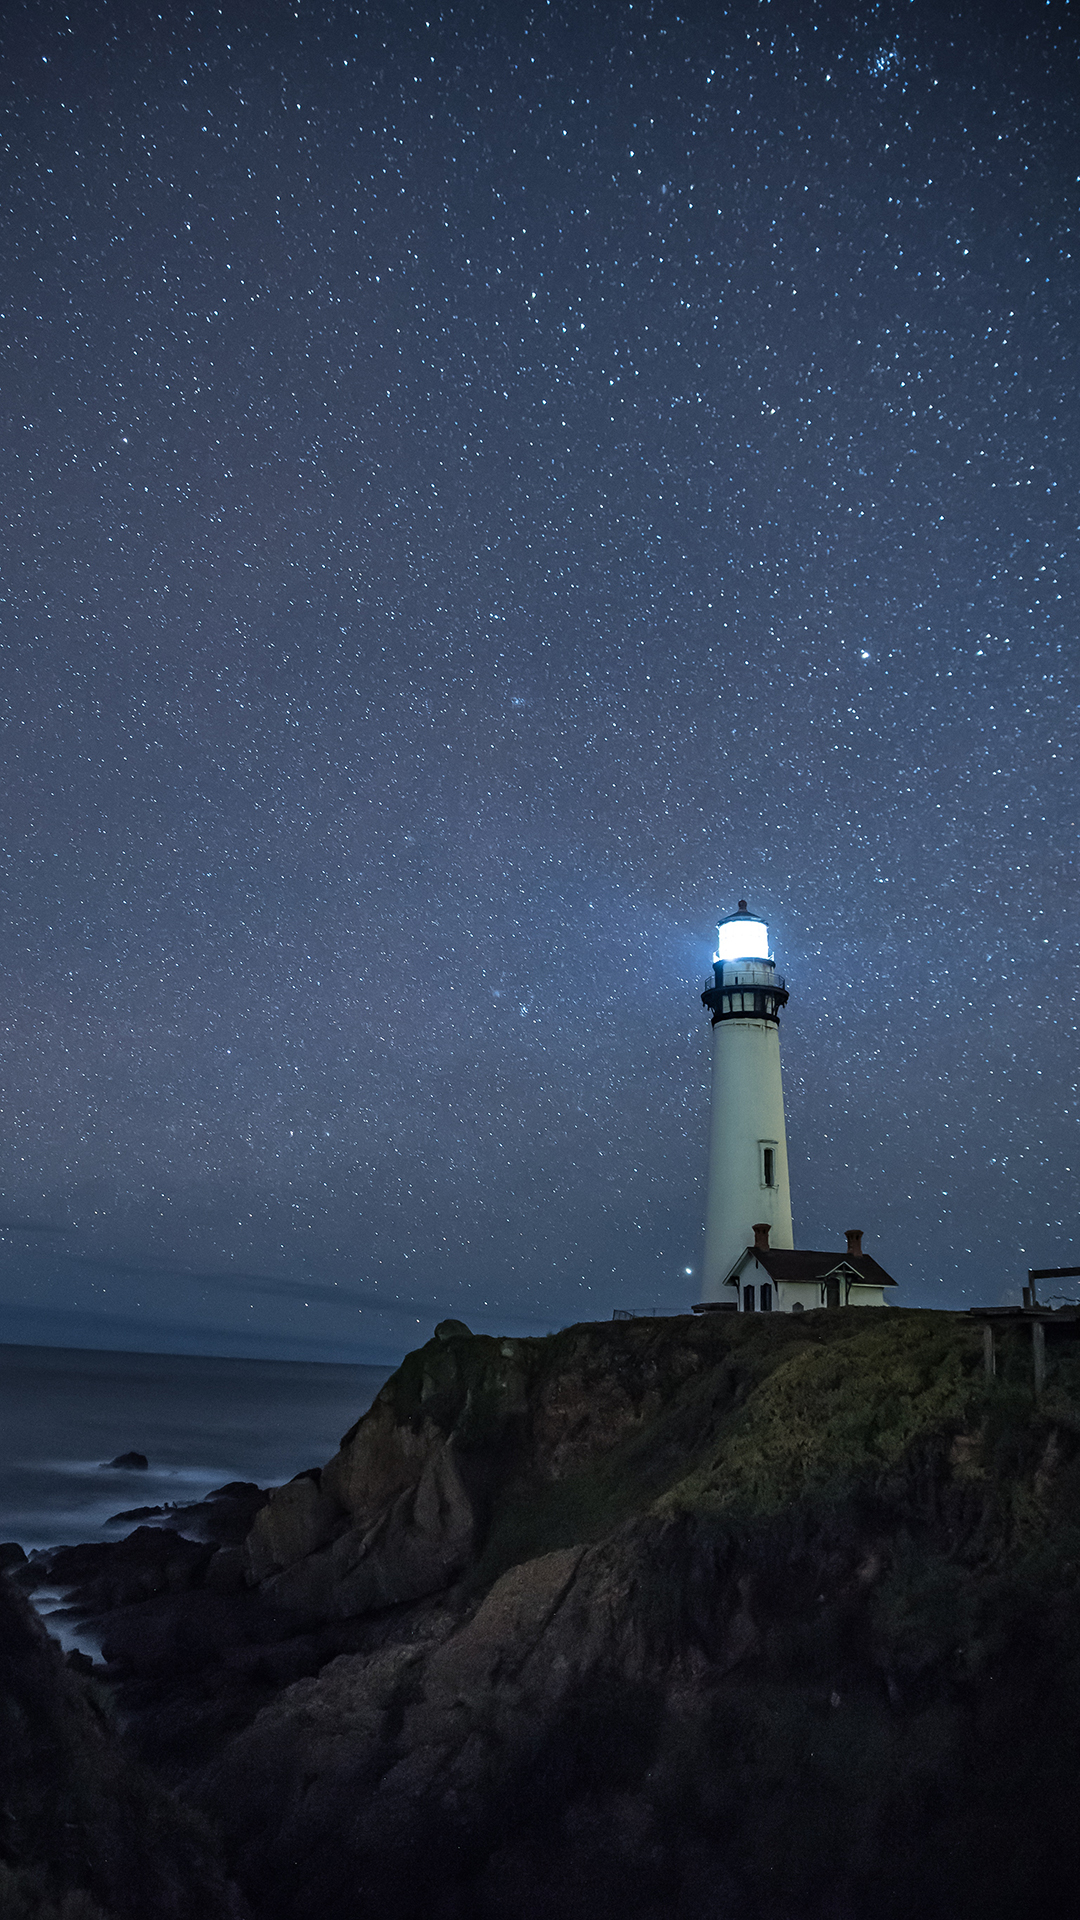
(762,1617)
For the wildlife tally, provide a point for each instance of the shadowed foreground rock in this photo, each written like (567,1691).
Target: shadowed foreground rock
(760,1618)
(84,1833)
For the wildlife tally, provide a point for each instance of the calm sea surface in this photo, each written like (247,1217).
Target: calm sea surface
(63,1412)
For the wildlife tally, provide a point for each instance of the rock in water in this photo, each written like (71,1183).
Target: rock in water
(132,1461)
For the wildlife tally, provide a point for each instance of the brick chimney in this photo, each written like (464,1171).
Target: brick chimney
(761,1236)
(854,1242)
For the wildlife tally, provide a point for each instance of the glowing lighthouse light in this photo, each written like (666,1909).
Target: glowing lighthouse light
(742,937)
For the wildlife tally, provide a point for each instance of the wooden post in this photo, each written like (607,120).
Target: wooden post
(989,1356)
(1038,1354)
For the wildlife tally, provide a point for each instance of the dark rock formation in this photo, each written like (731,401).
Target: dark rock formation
(452,1330)
(193,1651)
(131,1462)
(225,1516)
(402,1508)
(85,1834)
(739,1619)
(150,1561)
(752,1618)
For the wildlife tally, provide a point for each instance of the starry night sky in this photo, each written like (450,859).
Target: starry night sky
(485,487)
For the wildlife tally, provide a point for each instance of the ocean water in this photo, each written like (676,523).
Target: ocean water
(65,1411)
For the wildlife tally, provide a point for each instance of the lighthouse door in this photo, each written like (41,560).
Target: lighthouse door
(832,1291)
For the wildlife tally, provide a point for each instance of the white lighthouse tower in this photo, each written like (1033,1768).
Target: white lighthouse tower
(748,1163)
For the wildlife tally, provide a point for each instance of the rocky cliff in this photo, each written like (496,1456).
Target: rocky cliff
(763,1617)
(85,1832)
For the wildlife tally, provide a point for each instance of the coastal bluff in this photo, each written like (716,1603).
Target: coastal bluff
(747,1616)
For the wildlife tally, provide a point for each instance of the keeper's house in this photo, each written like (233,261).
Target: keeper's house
(768,1279)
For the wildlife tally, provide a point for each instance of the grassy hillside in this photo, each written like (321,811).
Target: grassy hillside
(748,1415)
(770,1618)
(756,1617)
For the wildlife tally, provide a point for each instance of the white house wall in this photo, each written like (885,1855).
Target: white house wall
(809,1296)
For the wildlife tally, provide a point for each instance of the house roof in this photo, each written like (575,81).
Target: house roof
(794,1263)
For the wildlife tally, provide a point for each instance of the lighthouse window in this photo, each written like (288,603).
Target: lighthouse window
(768,1166)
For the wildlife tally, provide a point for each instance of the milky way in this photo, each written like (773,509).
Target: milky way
(486,488)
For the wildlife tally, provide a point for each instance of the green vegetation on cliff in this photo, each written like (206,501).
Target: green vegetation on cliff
(747,1416)
(761,1617)
(756,1617)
